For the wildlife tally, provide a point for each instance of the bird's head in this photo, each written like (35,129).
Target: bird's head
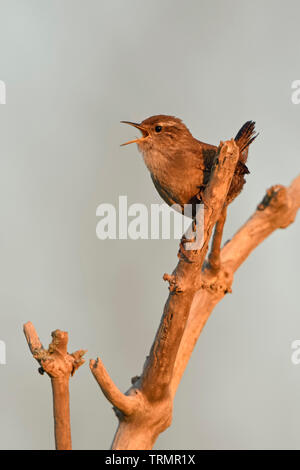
(159,133)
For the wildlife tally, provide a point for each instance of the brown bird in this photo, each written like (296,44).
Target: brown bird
(180,167)
(179,164)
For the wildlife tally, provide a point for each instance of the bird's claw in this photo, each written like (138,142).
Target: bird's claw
(183,253)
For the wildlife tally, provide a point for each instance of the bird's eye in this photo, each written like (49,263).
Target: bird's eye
(158,129)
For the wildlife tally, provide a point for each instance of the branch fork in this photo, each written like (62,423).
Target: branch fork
(145,410)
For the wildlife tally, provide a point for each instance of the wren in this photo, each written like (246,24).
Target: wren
(180,165)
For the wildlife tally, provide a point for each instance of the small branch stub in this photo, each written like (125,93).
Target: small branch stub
(119,400)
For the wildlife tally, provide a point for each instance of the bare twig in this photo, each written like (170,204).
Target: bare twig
(59,365)
(121,402)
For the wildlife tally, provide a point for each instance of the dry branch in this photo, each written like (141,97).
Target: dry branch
(121,402)
(59,365)
(196,286)
(150,410)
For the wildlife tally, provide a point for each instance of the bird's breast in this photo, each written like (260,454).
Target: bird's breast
(176,177)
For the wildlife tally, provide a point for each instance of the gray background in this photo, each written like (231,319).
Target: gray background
(73,70)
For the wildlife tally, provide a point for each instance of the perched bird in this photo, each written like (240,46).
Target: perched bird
(179,164)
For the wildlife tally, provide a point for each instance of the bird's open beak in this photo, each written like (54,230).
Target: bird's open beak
(138,126)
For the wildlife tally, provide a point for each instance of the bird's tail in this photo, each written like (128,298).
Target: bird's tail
(244,138)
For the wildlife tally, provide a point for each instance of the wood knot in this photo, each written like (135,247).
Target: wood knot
(216,287)
(219,283)
(276,194)
(174,286)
